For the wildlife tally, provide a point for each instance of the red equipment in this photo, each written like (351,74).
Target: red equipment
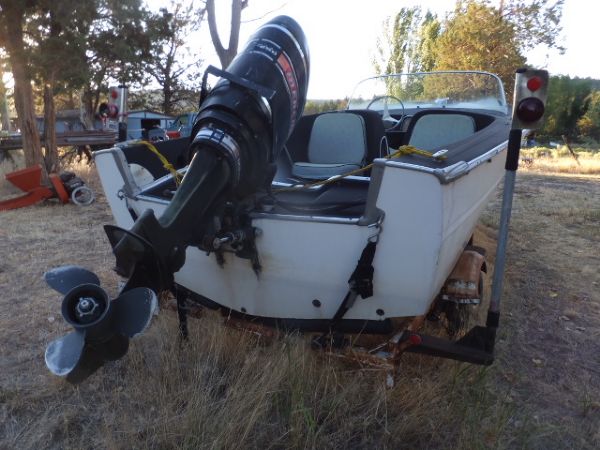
(29,180)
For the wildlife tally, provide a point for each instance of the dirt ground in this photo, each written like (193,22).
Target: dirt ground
(548,355)
(542,392)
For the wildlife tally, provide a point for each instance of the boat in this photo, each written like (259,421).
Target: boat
(357,221)
(423,209)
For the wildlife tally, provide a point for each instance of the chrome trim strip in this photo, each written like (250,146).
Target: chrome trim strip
(271,216)
(299,186)
(299,218)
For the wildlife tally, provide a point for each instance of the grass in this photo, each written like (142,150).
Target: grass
(228,389)
(560,160)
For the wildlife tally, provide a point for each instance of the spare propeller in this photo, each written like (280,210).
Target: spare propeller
(102,327)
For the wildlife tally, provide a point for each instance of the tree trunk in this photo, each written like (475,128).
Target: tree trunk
(13,16)
(167,98)
(88,108)
(13,13)
(51,156)
(226,55)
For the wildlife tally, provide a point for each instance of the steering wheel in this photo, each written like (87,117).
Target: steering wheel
(388,121)
(382,97)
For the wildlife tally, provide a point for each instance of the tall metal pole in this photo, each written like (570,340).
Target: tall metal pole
(512,163)
(529,101)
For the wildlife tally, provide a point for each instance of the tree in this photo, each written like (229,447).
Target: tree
(536,22)
(117,48)
(567,103)
(476,37)
(59,30)
(407,43)
(169,30)
(12,23)
(71,44)
(479,36)
(428,35)
(589,123)
(226,55)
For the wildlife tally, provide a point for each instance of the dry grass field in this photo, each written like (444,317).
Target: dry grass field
(225,389)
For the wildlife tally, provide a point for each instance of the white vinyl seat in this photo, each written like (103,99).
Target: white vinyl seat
(432,131)
(337,144)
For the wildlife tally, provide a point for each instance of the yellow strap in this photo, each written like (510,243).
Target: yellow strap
(402,150)
(165,162)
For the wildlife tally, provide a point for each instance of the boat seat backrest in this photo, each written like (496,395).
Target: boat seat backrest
(432,130)
(339,142)
(338,138)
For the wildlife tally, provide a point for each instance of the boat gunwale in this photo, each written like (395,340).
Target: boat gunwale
(447,174)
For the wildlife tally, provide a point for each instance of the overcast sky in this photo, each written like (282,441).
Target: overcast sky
(342,37)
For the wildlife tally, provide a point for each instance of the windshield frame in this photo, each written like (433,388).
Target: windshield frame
(502,107)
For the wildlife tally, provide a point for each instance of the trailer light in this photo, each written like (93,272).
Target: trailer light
(530,109)
(534,83)
(415,339)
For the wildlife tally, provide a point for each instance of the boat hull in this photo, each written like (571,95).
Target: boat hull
(307,260)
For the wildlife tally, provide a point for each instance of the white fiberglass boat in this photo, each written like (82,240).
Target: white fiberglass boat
(421,209)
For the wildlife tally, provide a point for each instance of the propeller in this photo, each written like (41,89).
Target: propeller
(102,327)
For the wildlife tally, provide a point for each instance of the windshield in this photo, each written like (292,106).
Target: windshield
(472,90)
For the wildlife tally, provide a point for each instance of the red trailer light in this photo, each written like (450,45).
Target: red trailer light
(534,83)
(415,339)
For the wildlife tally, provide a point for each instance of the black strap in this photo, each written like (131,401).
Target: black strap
(360,282)
(361,279)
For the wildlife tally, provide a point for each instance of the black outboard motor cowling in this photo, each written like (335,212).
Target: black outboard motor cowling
(242,125)
(253,109)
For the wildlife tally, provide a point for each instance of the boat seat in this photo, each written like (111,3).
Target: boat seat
(339,142)
(432,130)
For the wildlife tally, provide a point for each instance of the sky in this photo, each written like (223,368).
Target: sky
(342,36)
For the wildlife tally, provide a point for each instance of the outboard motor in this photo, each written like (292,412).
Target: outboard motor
(242,125)
(253,109)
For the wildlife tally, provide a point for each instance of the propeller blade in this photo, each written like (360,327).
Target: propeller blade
(65,278)
(132,310)
(63,354)
(75,359)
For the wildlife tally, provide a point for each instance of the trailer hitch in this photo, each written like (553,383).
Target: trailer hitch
(475,347)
